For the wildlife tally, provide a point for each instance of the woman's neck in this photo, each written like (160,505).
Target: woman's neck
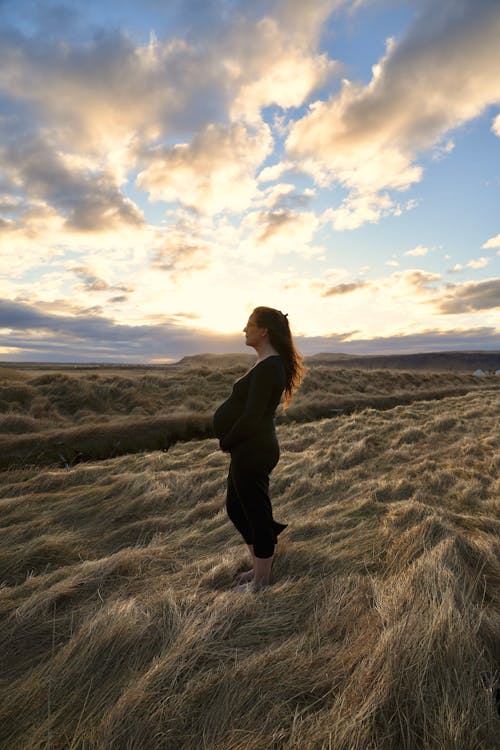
(265,350)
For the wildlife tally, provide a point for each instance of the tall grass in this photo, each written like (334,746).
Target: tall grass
(380,631)
(63,418)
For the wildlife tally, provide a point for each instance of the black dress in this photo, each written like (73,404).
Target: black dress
(244,424)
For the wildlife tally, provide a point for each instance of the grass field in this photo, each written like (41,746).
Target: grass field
(65,417)
(381,629)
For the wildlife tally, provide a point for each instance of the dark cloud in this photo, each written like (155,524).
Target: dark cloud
(87,201)
(91,282)
(421,280)
(343,288)
(273,222)
(471,296)
(94,283)
(93,310)
(426,341)
(41,336)
(106,82)
(291,201)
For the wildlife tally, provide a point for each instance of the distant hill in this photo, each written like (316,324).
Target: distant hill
(462,361)
(466,361)
(459,361)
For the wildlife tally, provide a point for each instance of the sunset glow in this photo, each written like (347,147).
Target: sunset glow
(164,168)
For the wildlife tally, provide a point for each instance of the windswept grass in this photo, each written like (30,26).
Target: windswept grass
(60,418)
(381,630)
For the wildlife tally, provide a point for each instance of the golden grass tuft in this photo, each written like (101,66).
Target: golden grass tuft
(380,631)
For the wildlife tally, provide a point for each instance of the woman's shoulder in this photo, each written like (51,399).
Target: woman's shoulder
(270,369)
(274,361)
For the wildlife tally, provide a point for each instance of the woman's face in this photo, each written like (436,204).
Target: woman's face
(253,334)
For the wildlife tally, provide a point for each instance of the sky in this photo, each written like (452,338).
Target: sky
(166,166)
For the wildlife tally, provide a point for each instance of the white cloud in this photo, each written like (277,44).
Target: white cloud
(274,172)
(418,281)
(275,193)
(419,250)
(213,173)
(443,73)
(478,263)
(274,60)
(357,209)
(492,242)
(286,74)
(93,109)
(496,125)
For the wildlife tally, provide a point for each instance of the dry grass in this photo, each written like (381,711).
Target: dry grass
(381,630)
(61,418)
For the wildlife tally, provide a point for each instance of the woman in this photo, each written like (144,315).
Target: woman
(244,425)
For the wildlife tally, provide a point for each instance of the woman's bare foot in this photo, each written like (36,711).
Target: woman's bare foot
(245,577)
(251,587)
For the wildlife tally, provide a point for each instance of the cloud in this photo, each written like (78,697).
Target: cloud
(87,201)
(478,263)
(345,288)
(275,171)
(283,231)
(38,336)
(107,74)
(287,197)
(91,282)
(428,340)
(280,67)
(94,283)
(492,242)
(419,250)
(471,297)
(183,250)
(441,74)
(358,209)
(496,125)
(213,173)
(88,106)
(410,286)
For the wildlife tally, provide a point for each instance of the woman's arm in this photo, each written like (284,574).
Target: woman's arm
(259,393)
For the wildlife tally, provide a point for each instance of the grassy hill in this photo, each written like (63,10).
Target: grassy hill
(380,631)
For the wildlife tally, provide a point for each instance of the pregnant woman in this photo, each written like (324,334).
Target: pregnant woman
(244,425)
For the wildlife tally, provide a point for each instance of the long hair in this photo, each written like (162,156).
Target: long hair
(281,339)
